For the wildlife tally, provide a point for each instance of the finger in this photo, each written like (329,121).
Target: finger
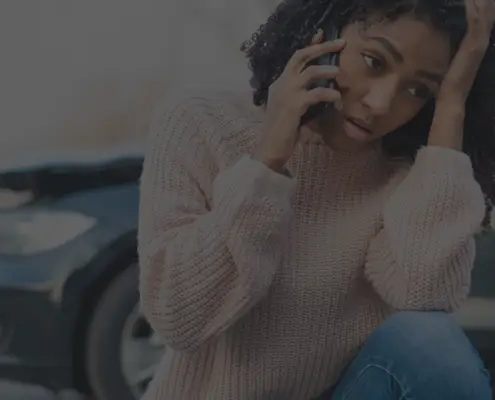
(303,56)
(485,10)
(465,64)
(320,94)
(490,9)
(472,8)
(478,17)
(472,13)
(314,72)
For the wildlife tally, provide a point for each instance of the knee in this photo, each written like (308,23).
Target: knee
(421,333)
(434,349)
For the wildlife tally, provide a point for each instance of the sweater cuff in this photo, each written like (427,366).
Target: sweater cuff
(286,171)
(269,181)
(250,179)
(440,158)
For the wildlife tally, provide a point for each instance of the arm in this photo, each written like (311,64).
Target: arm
(423,256)
(202,266)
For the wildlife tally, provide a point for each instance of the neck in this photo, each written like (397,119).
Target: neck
(356,167)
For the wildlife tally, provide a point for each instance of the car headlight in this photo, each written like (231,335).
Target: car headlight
(31,232)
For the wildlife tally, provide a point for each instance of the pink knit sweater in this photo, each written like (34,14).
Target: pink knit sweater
(262,286)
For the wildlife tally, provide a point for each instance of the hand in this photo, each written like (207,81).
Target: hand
(289,98)
(447,126)
(480,15)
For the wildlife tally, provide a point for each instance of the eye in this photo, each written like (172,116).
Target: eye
(373,62)
(420,91)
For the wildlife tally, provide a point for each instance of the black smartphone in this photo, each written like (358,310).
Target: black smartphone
(329,34)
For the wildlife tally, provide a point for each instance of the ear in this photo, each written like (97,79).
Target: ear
(318,37)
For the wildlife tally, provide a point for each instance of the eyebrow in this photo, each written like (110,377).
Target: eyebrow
(396,54)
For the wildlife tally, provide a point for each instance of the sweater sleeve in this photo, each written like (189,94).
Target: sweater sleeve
(422,257)
(204,264)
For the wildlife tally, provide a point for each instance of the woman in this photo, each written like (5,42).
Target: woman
(281,261)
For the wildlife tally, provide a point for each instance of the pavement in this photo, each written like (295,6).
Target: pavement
(16,391)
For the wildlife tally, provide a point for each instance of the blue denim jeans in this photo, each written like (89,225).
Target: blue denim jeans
(415,356)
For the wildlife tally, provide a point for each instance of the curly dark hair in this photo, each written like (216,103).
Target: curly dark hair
(294,23)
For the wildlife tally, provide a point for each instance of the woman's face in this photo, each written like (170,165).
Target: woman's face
(389,71)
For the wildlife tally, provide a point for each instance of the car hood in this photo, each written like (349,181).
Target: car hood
(100,198)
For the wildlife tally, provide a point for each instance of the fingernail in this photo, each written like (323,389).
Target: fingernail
(339,41)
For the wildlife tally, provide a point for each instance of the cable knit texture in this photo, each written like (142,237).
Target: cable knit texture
(263,286)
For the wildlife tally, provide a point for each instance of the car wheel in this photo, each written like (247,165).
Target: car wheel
(122,352)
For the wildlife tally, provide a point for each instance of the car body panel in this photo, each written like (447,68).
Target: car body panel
(483,278)
(43,292)
(49,270)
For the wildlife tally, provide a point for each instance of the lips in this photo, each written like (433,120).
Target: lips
(356,129)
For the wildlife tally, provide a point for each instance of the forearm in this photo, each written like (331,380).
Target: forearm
(199,274)
(418,284)
(423,256)
(198,281)
(447,128)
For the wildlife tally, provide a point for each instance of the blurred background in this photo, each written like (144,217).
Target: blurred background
(78,82)
(80,76)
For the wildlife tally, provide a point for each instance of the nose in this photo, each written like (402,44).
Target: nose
(380,96)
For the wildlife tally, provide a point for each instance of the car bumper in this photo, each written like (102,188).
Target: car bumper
(35,343)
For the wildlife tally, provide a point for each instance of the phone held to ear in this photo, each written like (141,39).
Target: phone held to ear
(329,34)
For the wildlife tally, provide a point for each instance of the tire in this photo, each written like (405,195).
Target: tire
(103,360)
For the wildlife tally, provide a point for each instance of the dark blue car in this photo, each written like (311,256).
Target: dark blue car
(69,305)
(69,314)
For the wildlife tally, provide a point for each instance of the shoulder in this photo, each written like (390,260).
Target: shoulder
(205,101)
(221,122)
(197,133)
